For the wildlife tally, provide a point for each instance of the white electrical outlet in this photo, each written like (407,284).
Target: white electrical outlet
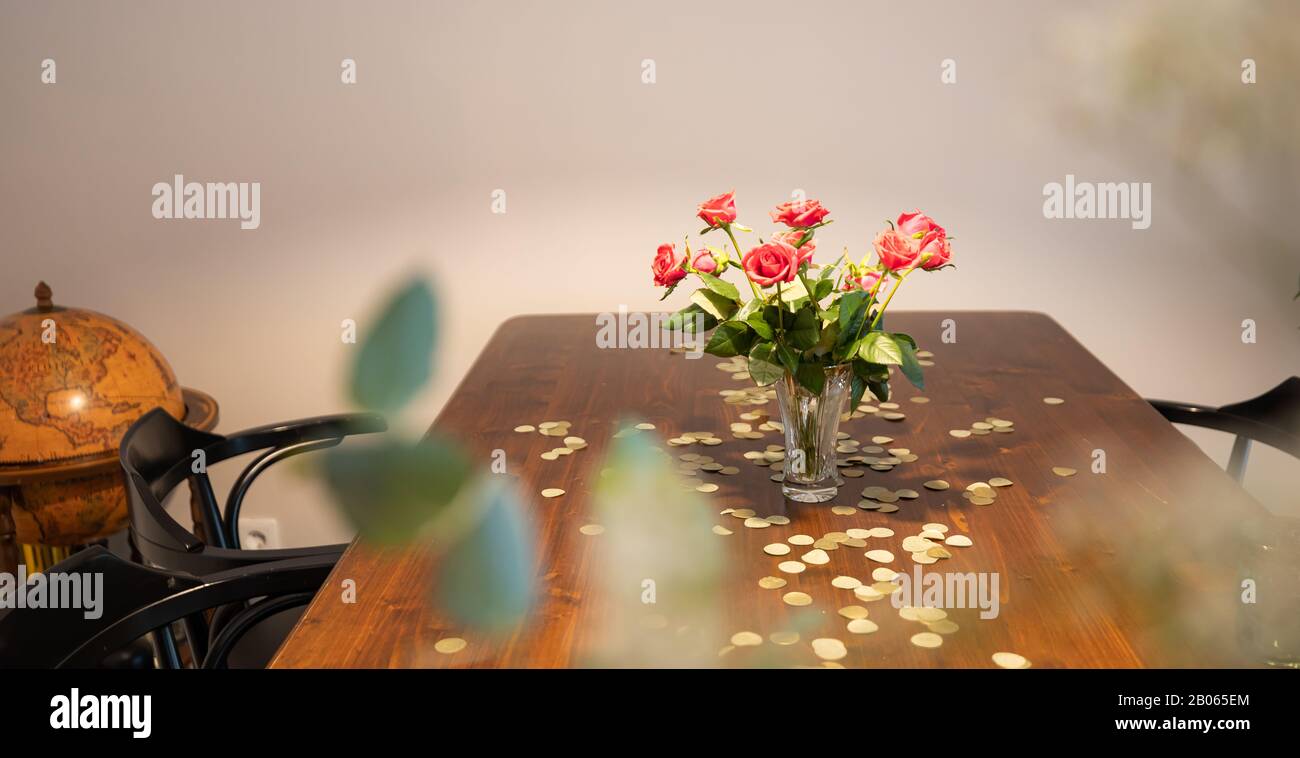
(259,533)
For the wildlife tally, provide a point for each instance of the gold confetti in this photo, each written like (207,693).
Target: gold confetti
(525,428)
(757,523)
(1053,400)
(880,556)
(927,613)
(1011,661)
(846,582)
(746,639)
(868,594)
(960,434)
(943,626)
(591,530)
(777,548)
(708,487)
(778,520)
(937,485)
(783,638)
(999,481)
(958,540)
(800,539)
(797,599)
(721,531)
(552,492)
(927,639)
(883,574)
(790,567)
(1063,471)
(771,582)
(843,510)
(829,648)
(853,612)
(862,626)
(449,645)
(816,557)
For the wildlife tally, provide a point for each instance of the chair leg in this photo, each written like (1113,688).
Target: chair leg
(164,644)
(1237,461)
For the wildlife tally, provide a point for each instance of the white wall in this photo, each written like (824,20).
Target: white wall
(363,183)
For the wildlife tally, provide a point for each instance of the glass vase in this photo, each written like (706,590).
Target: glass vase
(811,423)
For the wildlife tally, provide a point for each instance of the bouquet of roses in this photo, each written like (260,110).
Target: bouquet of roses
(802,318)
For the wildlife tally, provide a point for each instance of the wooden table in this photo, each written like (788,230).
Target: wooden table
(1137,566)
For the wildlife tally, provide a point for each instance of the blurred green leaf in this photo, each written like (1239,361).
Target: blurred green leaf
(396,356)
(486,578)
(392,491)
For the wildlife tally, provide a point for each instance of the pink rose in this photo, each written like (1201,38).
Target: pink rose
(864,282)
(916,224)
(771,263)
(935,249)
(895,249)
(705,263)
(719,210)
(667,266)
(791,237)
(799,213)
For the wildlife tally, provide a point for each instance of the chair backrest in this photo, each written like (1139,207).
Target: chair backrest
(158,453)
(132,601)
(107,587)
(1272,418)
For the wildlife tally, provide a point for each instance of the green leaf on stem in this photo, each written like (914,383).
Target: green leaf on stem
(822,288)
(805,331)
(828,272)
(714,304)
(851,307)
(685,319)
(859,388)
(812,376)
(789,358)
(763,367)
(730,339)
(760,326)
(880,347)
(723,288)
(911,368)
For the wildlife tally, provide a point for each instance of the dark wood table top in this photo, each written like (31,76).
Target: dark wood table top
(1139,566)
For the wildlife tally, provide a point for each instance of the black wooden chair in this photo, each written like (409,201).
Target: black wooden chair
(158,453)
(1273,418)
(137,601)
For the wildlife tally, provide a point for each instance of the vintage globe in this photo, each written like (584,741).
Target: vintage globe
(71,382)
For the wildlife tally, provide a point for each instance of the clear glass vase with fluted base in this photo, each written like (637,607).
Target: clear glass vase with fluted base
(811,423)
